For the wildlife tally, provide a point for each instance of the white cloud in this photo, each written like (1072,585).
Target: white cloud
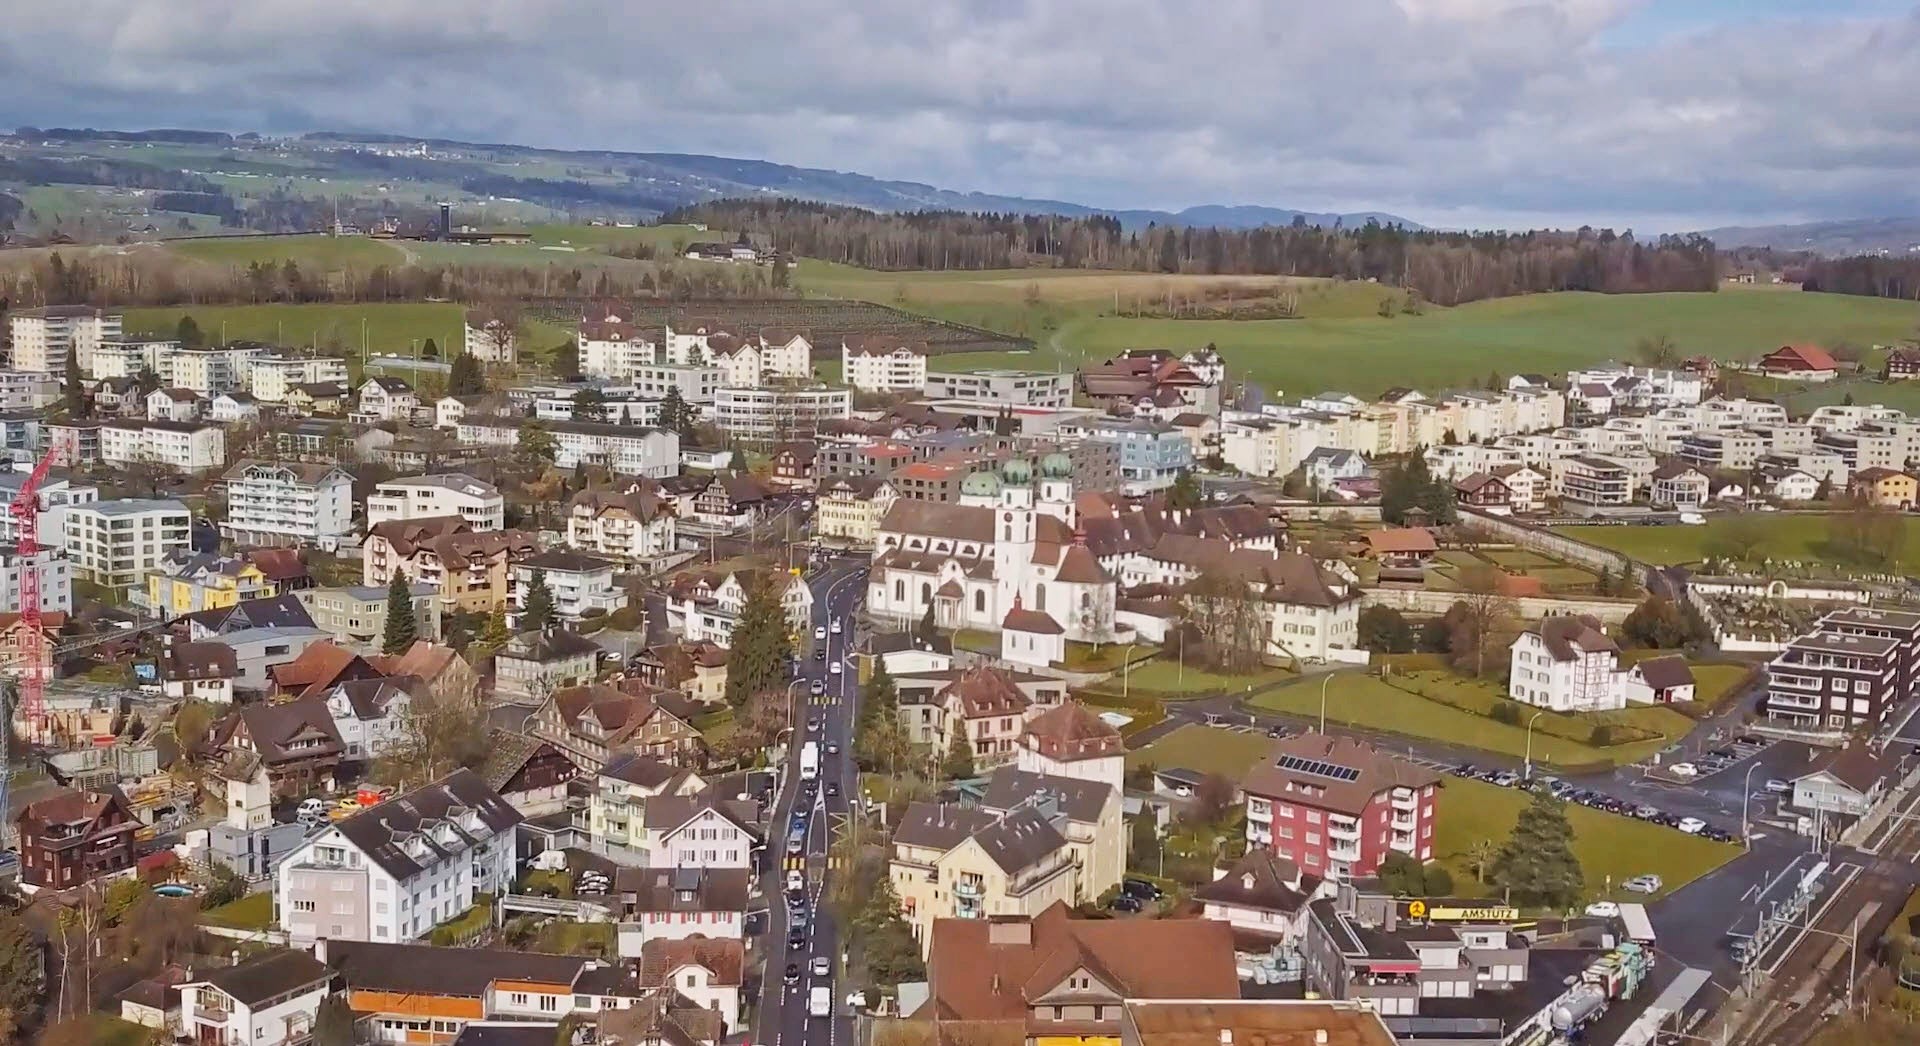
(1517,111)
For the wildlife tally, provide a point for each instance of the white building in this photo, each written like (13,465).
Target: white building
(388,399)
(636,527)
(612,347)
(371,715)
(127,357)
(1021,388)
(55,573)
(705,607)
(234,408)
(876,364)
(205,371)
(271,377)
(117,543)
(184,446)
(580,584)
(174,404)
(1643,388)
(27,390)
(394,872)
(488,339)
(441,494)
(696,384)
(288,503)
(627,449)
(270,1000)
(1567,664)
(56,494)
(779,414)
(43,336)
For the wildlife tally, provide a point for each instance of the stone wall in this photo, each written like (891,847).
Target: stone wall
(1427,601)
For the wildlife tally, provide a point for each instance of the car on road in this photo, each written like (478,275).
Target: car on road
(1691,825)
(1275,731)
(1777,786)
(1644,884)
(833,788)
(819,653)
(793,973)
(821,966)
(813,724)
(834,668)
(1684,770)
(832,749)
(1604,910)
(796,939)
(797,842)
(836,626)
(821,632)
(819,687)
(796,883)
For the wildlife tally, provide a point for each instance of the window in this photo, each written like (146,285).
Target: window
(549,1004)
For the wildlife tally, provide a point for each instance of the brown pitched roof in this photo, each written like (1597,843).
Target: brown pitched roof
(69,806)
(985,691)
(982,969)
(1079,567)
(682,889)
(205,660)
(960,522)
(278,564)
(1266,1022)
(272,727)
(1039,622)
(1663,672)
(321,666)
(1261,879)
(1568,636)
(1856,765)
(1810,357)
(406,535)
(1071,732)
(724,958)
(1303,755)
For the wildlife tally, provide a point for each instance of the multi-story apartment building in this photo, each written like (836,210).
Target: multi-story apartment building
(272,377)
(582,586)
(208,372)
(27,390)
(597,724)
(475,501)
(1033,842)
(617,806)
(638,527)
(696,383)
(1900,625)
(1337,806)
(877,364)
(355,616)
(534,664)
(184,446)
(1679,485)
(705,607)
(288,503)
(627,449)
(127,357)
(1733,449)
(187,582)
(850,507)
(488,338)
(42,337)
(1835,681)
(471,571)
(1589,480)
(394,872)
(1862,449)
(1152,453)
(614,348)
(1023,388)
(1567,664)
(54,572)
(118,543)
(779,414)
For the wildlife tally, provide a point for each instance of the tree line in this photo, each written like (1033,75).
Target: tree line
(1443,267)
(1868,275)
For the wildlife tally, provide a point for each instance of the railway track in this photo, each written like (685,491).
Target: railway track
(1793,1003)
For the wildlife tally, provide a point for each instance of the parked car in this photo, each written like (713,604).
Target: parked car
(1604,910)
(1777,786)
(1125,903)
(1691,825)
(1140,888)
(822,965)
(1645,813)
(793,973)
(1684,770)
(1644,884)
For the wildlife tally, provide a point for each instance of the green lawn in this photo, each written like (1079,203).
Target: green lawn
(1205,749)
(388,328)
(1168,677)
(1788,537)
(313,255)
(103,1030)
(1367,702)
(562,937)
(1714,685)
(252,912)
(1608,845)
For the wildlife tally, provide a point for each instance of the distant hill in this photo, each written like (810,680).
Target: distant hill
(1847,236)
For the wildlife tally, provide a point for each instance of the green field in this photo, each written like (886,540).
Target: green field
(314,254)
(1205,749)
(1788,537)
(1609,846)
(1341,343)
(252,912)
(387,328)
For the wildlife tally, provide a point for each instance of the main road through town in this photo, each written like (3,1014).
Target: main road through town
(798,934)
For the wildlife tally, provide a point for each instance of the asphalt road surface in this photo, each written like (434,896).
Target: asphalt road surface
(781,1017)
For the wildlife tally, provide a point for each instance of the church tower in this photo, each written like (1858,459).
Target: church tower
(1056,489)
(1013,532)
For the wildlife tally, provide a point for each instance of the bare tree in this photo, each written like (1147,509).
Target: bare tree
(1484,616)
(1225,621)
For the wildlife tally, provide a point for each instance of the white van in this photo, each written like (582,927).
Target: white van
(820,1001)
(313,808)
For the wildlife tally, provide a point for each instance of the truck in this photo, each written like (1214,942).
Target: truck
(820,1001)
(809,761)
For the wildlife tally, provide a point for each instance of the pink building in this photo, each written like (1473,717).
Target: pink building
(1337,807)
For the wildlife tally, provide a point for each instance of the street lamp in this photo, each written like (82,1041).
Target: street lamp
(1746,797)
(1126,669)
(1527,766)
(1324,680)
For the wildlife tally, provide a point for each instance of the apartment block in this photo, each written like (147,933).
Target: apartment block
(117,543)
(1593,481)
(1732,450)
(184,446)
(1338,806)
(288,503)
(43,337)
(475,501)
(1027,388)
(779,414)
(272,377)
(51,568)
(627,449)
(878,364)
(696,383)
(1835,681)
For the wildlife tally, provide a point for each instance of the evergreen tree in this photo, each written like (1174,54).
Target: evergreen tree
(762,645)
(539,603)
(431,350)
(147,381)
(676,414)
(927,631)
(187,332)
(72,396)
(333,1024)
(401,630)
(1537,865)
(1185,492)
(589,405)
(493,635)
(536,448)
(958,763)
(566,361)
(20,986)
(892,955)
(466,378)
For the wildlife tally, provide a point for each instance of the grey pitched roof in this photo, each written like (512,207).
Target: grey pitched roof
(1664,672)
(682,889)
(1260,879)
(1078,799)
(382,830)
(669,812)
(939,826)
(1020,839)
(257,980)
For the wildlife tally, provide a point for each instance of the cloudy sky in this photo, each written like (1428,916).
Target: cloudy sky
(1659,114)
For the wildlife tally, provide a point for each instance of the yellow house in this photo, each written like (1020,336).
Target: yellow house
(1885,487)
(189,582)
(1032,842)
(617,809)
(850,507)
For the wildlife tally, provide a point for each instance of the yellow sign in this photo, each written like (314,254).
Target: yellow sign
(1489,914)
(1417,910)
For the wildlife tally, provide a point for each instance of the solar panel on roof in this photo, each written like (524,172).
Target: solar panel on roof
(1319,768)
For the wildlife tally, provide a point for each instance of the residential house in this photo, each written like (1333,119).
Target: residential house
(697,669)
(731,502)
(258,651)
(1327,465)
(294,740)
(669,903)
(199,672)
(71,837)
(234,408)
(1402,547)
(1567,663)
(1799,363)
(1486,492)
(1264,898)
(399,869)
(19,648)
(319,668)
(281,611)
(470,570)
(474,501)
(990,708)
(637,527)
(270,1000)
(1660,680)
(532,775)
(581,586)
(1069,741)
(1679,485)
(708,972)
(706,605)
(1844,782)
(1885,488)
(185,582)
(955,862)
(701,830)
(1901,365)
(793,465)
(355,616)
(371,715)
(1787,484)
(593,724)
(328,398)
(184,405)
(617,804)
(448,677)
(535,664)
(849,508)
(388,399)
(1339,806)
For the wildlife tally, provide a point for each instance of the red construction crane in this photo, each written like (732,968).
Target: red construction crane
(36,658)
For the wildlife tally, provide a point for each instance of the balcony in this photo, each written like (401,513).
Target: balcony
(1403,822)
(1406,799)
(1344,830)
(968,888)
(1344,852)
